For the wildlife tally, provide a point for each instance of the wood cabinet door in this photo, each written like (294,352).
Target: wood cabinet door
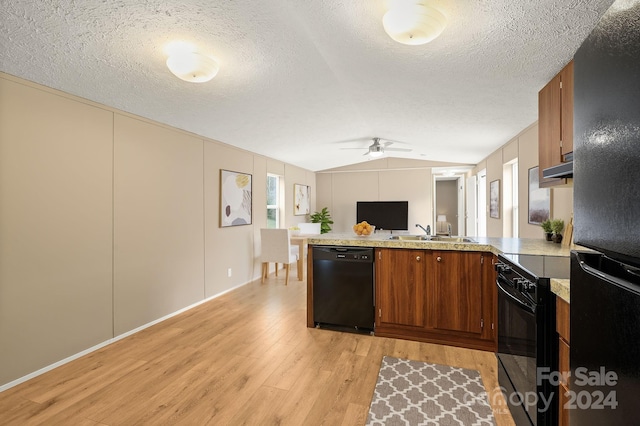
(549,129)
(456,282)
(555,123)
(566,102)
(400,287)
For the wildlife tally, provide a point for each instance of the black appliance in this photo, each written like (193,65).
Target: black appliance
(605,296)
(389,215)
(526,343)
(343,280)
(562,170)
(605,335)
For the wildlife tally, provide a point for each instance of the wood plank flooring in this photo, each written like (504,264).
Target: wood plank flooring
(246,357)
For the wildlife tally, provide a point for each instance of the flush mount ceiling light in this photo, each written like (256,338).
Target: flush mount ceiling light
(188,65)
(413,22)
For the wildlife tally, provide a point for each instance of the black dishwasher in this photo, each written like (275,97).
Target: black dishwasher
(343,280)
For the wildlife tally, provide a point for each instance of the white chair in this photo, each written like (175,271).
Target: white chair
(276,247)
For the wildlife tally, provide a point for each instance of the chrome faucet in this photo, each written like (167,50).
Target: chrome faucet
(427,230)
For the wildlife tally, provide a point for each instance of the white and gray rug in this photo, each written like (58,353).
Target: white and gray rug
(419,393)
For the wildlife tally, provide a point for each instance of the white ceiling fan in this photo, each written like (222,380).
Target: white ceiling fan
(378,148)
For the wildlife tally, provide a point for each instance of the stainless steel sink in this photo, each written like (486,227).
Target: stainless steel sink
(436,238)
(453,239)
(410,237)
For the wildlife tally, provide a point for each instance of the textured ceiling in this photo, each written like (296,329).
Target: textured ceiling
(298,76)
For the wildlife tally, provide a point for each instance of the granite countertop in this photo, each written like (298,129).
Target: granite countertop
(528,246)
(561,288)
(523,246)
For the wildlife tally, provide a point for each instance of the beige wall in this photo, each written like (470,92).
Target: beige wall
(389,179)
(55,227)
(494,172)
(527,158)
(158,222)
(524,147)
(324,191)
(230,247)
(109,222)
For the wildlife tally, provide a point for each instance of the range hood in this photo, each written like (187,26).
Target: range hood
(562,170)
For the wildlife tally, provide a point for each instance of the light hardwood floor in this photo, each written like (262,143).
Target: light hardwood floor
(246,357)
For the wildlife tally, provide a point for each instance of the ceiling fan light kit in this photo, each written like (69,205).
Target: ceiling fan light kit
(375,151)
(413,22)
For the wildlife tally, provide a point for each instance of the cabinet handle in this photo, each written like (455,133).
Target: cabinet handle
(439,259)
(418,258)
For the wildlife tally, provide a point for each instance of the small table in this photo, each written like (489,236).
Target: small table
(300,240)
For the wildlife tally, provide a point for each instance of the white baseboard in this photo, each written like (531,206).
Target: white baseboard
(110,341)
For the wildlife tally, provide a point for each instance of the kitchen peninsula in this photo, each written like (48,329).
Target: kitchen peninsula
(440,291)
(522,246)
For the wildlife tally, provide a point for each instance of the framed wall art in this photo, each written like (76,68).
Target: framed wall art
(300,199)
(494,199)
(235,198)
(539,199)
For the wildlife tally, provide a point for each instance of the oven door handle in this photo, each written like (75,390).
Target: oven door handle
(515,299)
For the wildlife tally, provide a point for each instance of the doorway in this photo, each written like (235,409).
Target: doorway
(449,204)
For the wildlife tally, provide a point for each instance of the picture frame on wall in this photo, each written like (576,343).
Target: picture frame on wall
(235,198)
(494,199)
(539,208)
(300,199)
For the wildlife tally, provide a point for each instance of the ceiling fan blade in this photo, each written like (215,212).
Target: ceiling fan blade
(363,141)
(387,142)
(399,149)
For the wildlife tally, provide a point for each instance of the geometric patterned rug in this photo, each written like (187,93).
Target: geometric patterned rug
(419,393)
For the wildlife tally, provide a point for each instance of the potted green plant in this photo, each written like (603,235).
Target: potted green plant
(547,229)
(323,217)
(558,227)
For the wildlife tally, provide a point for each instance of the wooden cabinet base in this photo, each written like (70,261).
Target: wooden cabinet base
(432,296)
(437,296)
(437,338)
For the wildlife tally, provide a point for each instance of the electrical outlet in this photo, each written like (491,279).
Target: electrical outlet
(229,272)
